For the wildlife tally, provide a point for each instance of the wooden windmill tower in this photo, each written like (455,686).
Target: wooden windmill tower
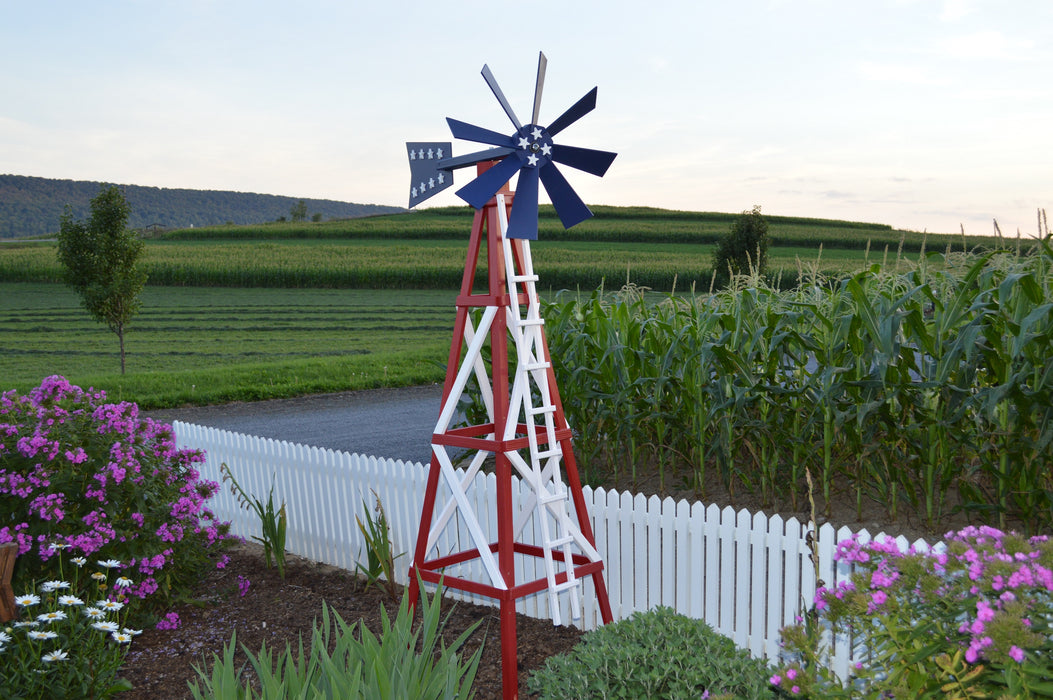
(525,430)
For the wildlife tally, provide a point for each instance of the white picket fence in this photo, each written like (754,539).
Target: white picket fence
(745,574)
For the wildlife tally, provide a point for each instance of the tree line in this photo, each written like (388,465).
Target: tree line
(33,206)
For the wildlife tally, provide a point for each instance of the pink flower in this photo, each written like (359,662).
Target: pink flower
(170,622)
(775,680)
(1017,653)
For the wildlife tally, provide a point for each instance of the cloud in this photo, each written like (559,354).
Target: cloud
(986,45)
(896,73)
(954,10)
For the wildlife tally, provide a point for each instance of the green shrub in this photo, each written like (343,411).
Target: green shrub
(400,663)
(653,654)
(745,249)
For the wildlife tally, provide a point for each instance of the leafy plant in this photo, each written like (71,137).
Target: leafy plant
(744,251)
(273,524)
(973,620)
(71,640)
(653,654)
(100,261)
(402,662)
(379,559)
(78,471)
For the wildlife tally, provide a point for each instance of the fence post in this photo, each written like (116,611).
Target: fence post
(8,552)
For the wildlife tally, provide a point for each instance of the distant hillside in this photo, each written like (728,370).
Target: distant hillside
(31,206)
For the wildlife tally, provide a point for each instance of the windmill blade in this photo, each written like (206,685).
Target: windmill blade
(568,204)
(578,110)
(492,82)
(587,159)
(473,158)
(542,64)
(479,191)
(523,221)
(470,132)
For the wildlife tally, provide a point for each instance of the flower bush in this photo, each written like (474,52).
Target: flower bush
(70,637)
(971,618)
(78,471)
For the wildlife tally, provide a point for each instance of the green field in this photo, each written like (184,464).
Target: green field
(211,345)
(249,312)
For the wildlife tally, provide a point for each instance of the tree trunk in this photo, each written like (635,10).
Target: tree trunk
(120,337)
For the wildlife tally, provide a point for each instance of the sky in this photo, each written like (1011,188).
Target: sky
(928,115)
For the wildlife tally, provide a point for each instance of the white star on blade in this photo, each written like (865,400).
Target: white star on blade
(547,149)
(412,155)
(422,187)
(429,154)
(536,133)
(524,142)
(413,192)
(431,183)
(532,159)
(438,153)
(442,177)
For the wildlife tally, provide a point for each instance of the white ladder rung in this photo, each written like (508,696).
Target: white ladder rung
(519,279)
(541,410)
(546,454)
(546,498)
(531,321)
(531,366)
(560,541)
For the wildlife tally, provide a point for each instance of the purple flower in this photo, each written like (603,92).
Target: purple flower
(1016,653)
(170,622)
(243,585)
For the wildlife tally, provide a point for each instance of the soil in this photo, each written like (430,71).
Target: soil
(160,663)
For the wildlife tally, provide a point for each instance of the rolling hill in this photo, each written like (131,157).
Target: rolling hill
(32,206)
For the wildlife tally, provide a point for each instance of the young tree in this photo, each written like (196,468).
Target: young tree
(744,249)
(100,259)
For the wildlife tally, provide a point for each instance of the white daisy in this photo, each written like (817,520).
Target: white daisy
(70,600)
(28,623)
(49,586)
(106,626)
(94,613)
(5,637)
(121,637)
(79,561)
(26,600)
(58,655)
(36,634)
(52,616)
(122,582)
(109,564)
(55,546)
(99,576)
(134,633)
(111,605)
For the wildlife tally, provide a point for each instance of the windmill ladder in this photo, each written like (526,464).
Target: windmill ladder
(549,496)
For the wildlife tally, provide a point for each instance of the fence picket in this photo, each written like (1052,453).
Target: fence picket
(745,574)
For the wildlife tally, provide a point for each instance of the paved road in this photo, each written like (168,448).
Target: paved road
(393,423)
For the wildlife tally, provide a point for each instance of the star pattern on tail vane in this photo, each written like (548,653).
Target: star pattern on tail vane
(528,151)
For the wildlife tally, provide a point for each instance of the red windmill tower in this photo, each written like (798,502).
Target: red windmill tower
(525,431)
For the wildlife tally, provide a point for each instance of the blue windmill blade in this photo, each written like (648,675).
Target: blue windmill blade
(470,132)
(578,110)
(523,221)
(568,205)
(427,178)
(488,76)
(480,190)
(588,159)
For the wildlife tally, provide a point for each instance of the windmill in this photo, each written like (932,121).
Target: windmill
(544,542)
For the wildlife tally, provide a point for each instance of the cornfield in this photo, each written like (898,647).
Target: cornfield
(926,390)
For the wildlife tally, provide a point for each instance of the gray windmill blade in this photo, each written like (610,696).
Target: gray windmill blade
(528,151)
